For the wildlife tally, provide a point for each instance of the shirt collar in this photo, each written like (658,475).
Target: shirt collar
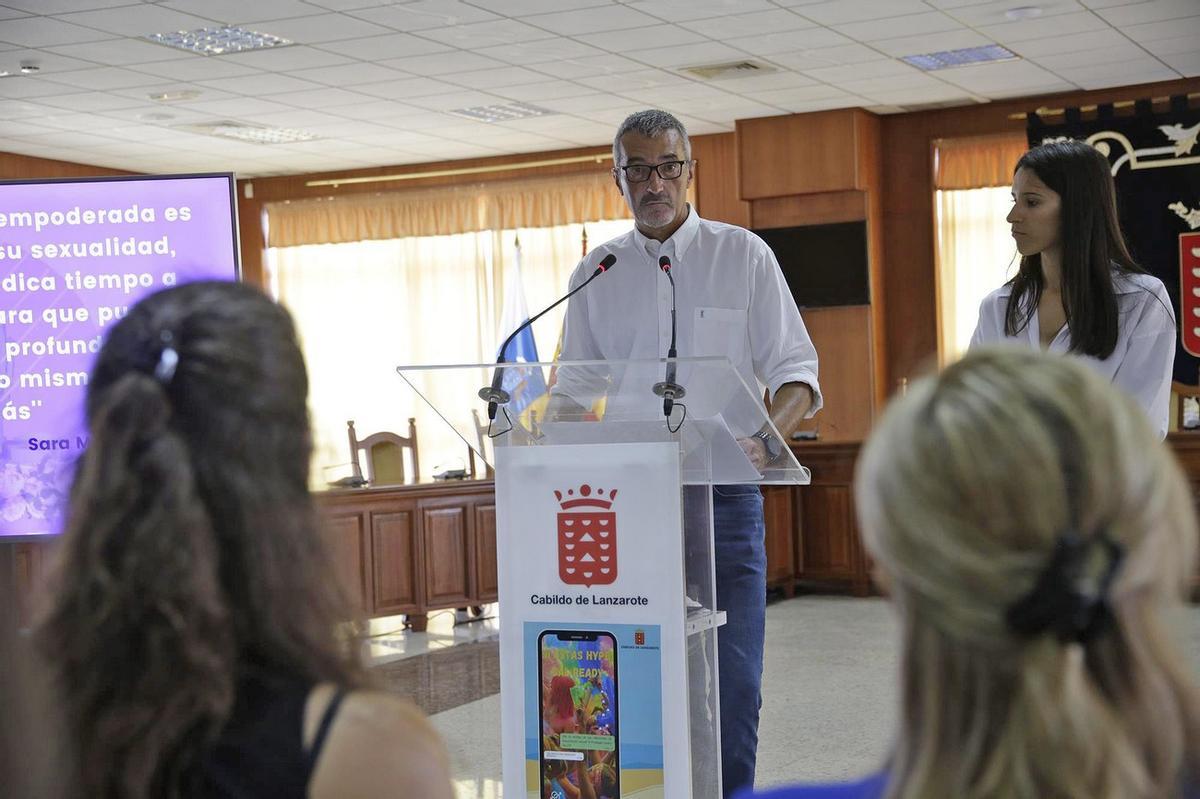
(677,245)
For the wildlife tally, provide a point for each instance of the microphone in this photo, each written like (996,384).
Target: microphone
(669,390)
(493,395)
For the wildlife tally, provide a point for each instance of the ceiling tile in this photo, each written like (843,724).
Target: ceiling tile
(9,127)
(539,92)
(918,96)
(234,106)
(242,13)
(48,62)
(46,32)
(640,40)
(995,12)
(425,14)
(263,83)
(987,78)
(348,75)
(121,52)
(931,43)
(104,78)
(838,12)
(585,103)
(51,7)
(539,52)
(1181,44)
(445,63)
(603,64)
(392,45)
(777,20)
(1070,43)
(140,19)
(321,28)
(1153,32)
(321,98)
(17,109)
(524,8)
(457,99)
(285,59)
(1186,64)
(296,118)
(20,88)
(644,79)
(1141,70)
(1044,27)
(486,34)
(676,11)
(1151,11)
(592,20)
(1082,58)
(497,76)
(195,68)
(88,101)
(749,85)
(891,27)
(797,94)
(407,87)
(687,55)
(790,41)
(870,69)
(828,57)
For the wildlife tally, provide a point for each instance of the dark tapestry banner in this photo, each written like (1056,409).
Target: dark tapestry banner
(1156,166)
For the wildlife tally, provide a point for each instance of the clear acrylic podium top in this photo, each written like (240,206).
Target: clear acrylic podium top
(580,402)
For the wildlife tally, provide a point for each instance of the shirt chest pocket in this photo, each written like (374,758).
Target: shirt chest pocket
(720,331)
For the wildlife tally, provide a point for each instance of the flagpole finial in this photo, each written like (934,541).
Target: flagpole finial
(517,241)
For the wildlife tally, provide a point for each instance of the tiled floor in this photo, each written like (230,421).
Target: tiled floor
(828,690)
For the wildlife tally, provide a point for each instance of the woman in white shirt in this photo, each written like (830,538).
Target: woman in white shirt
(1078,289)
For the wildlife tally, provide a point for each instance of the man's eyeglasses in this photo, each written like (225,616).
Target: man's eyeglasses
(640,173)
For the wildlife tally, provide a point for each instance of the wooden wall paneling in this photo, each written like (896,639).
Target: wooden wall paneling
(444,540)
(870,129)
(251,237)
(346,535)
(798,154)
(27,167)
(717,194)
(395,560)
(486,584)
(829,548)
(823,208)
(910,319)
(842,337)
(777,513)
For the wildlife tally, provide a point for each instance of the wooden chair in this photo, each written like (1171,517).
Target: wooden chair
(385,455)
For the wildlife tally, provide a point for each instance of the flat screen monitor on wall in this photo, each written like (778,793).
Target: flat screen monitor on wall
(74,256)
(824,265)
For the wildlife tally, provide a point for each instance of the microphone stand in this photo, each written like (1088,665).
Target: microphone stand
(668,389)
(494,395)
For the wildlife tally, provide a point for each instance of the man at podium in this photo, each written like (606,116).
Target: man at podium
(730,299)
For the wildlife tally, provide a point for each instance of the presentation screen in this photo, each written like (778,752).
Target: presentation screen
(74,256)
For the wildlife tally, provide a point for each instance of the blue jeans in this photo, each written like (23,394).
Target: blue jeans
(741,561)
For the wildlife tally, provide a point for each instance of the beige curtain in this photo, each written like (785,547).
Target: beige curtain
(501,205)
(978,161)
(975,254)
(365,307)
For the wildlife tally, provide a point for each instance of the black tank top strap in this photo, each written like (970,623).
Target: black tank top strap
(331,710)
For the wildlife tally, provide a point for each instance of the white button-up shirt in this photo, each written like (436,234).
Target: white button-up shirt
(1142,362)
(731,300)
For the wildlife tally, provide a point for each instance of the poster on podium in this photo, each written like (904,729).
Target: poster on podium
(591,621)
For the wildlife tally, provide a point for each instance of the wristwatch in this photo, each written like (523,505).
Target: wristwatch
(770,442)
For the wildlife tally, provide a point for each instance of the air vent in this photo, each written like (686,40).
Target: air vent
(730,69)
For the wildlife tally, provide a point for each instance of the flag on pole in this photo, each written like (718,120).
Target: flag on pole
(523,385)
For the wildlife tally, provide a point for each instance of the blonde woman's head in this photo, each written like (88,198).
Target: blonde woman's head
(999,500)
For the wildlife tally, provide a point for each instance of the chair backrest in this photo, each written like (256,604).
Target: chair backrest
(384,455)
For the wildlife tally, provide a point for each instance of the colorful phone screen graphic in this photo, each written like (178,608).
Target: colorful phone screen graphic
(579,750)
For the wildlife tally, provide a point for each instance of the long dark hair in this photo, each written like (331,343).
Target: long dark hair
(1091,242)
(192,554)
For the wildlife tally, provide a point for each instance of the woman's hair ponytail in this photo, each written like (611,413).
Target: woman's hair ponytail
(145,596)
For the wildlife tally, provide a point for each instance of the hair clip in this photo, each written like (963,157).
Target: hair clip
(168,359)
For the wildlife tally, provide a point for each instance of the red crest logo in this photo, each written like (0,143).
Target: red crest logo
(639,637)
(587,536)
(1189,291)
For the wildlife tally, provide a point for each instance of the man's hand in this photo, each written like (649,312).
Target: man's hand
(756,451)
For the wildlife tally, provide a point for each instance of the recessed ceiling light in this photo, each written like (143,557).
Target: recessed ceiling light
(256,134)
(216,41)
(959,58)
(501,113)
(174,97)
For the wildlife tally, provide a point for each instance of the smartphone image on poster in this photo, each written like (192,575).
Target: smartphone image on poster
(579,750)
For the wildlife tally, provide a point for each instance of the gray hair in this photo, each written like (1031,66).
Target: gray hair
(650,123)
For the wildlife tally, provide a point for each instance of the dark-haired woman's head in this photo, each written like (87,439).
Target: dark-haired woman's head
(1065,211)
(192,551)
